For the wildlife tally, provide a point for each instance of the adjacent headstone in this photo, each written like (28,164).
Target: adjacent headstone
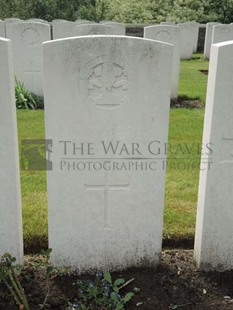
(195,30)
(186,43)
(27,39)
(106,205)
(11,238)
(2,29)
(168,34)
(94,29)
(222,33)
(37,20)
(12,20)
(9,21)
(208,39)
(119,28)
(55,21)
(168,23)
(64,29)
(214,229)
(84,21)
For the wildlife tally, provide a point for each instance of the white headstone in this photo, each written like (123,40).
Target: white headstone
(84,21)
(168,23)
(195,30)
(12,20)
(11,239)
(119,28)
(2,29)
(27,39)
(168,34)
(214,229)
(222,33)
(106,209)
(208,39)
(64,29)
(186,43)
(9,21)
(94,29)
(37,20)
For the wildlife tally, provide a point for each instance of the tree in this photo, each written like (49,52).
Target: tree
(219,10)
(137,11)
(187,10)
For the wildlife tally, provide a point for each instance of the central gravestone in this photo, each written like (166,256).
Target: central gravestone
(107,107)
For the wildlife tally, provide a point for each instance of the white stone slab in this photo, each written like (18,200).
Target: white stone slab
(168,23)
(214,229)
(195,30)
(101,218)
(12,20)
(222,33)
(9,21)
(94,29)
(186,43)
(64,29)
(38,20)
(119,28)
(168,34)
(208,39)
(84,21)
(2,29)
(27,39)
(11,239)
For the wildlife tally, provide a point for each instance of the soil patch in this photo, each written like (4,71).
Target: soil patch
(206,72)
(181,102)
(175,284)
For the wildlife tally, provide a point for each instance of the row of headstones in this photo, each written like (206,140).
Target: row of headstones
(105,202)
(216,33)
(27,38)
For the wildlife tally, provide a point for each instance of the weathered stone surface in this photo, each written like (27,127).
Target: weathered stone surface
(11,239)
(222,33)
(94,29)
(168,34)
(186,43)
(106,205)
(27,39)
(208,39)
(64,29)
(2,29)
(214,229)
(119,28)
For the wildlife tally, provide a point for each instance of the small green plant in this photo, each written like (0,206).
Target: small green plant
(9,275)
(24,98)
(102,293)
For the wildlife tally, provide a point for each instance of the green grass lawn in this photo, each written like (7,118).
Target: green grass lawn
(192,82)
(181,184)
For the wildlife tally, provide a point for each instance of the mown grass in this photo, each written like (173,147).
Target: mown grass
(33,183)
(182,172)
(193,82)
(181,182)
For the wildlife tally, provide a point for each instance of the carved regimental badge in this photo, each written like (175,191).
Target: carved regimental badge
(30,36)
(106,83)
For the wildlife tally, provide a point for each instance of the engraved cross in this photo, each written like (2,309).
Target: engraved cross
(106,187)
